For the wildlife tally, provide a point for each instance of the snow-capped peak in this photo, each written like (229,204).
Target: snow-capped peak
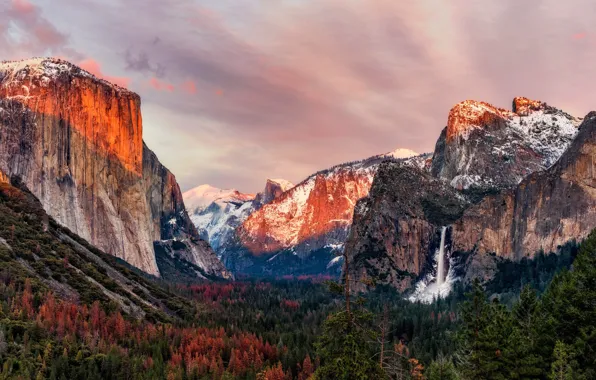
(203,196)
(44,70)
(402,153)
(284,185)
(490,147)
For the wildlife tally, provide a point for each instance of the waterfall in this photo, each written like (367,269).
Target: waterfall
(438,284)
(441,258)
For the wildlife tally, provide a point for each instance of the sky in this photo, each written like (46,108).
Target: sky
(238,91)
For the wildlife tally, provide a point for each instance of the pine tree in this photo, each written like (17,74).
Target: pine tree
(524,360)
(569,312)
(482,352)
(441,369)
(345,346)
(561,368)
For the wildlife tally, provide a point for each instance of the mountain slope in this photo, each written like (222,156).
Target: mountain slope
(34,246)
(217,212)
(76,141)
(398,224)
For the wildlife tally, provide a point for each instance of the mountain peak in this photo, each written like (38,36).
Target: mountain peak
(489,147)
(284,185)
(523,106)
(204,195)
(471,114)
(402,153)
(46,69)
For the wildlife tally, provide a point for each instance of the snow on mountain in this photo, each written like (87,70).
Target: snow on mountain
(217,212)
(44,71)
(203,196)
(486,147)
(402,153)
(285,185)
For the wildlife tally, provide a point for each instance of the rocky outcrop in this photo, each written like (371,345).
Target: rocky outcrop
(274,188)
(171,220)
(545,211)
(76,142)
(398,225)
(486,148)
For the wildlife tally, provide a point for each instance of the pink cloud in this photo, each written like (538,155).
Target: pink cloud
(48,35)
(159,85)
(94,68)
(189,87)
(22,6)
(579,36)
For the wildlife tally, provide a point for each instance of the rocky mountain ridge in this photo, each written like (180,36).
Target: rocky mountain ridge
(484,147)
(216,213)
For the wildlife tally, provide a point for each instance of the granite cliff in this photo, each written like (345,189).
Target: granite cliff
(76,142)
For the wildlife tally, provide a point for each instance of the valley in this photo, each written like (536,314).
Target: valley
(476,260)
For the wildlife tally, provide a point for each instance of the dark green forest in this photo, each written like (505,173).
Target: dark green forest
(69,311)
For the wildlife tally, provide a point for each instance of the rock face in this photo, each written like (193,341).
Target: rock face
(546,210)
(178,236)
(274,188)
(312,214)
(484,147)
(398,225)
(76,142)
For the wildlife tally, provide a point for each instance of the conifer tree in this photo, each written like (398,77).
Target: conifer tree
(345,346)
(561,368)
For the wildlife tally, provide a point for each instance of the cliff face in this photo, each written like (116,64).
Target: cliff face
(398,225)
(309,216)
(546,210)
(484,147)
(76,141)
(274,188)
(172,225)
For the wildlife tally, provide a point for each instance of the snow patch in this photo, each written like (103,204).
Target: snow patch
(335,261)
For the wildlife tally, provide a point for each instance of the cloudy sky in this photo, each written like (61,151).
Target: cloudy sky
(237,91)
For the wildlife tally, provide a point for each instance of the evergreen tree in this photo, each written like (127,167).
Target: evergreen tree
(345,347)
(569,311)
(441,369)
(482,353)
(524,360)
(561,368)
